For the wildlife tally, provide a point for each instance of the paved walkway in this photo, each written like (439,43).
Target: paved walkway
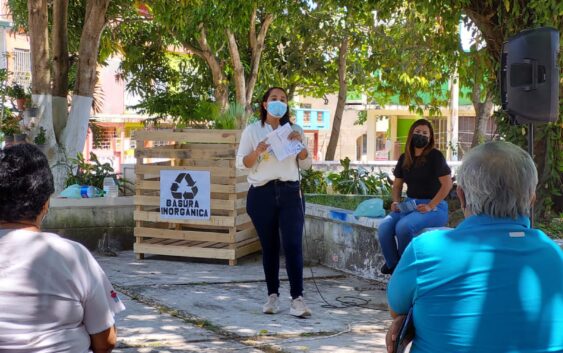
(181,305)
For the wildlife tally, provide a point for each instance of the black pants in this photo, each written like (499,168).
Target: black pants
(274,207)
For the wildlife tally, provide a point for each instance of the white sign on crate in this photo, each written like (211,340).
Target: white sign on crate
(185,194)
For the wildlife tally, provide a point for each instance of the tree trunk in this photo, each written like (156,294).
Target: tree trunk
(60,48)
(291,91)
(39,44)
(485,18)
(342,91)
(74,134)
(76,130)
(257,47)
(94,23)
(60,66)
(483,113)
(40,72)
(240,85)
(219,80)
(221,92)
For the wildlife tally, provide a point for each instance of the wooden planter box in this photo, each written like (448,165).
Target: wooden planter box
(229,233)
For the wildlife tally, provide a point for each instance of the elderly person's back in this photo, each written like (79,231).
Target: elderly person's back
(54,297)
(493,284)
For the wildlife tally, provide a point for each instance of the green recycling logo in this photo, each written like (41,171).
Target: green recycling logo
(183,181)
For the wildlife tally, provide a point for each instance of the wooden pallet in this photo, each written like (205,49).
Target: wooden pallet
(229,233)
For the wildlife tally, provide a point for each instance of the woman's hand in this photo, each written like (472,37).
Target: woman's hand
(395,206)
(294,135)
(303,153)
(262,147)
(424,208)
(393,332)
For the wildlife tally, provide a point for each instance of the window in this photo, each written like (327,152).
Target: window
(3,54)
(306,117)
(107,134)
(22,67)
(380,140)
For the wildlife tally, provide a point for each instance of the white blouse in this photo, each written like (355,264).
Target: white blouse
(267,167)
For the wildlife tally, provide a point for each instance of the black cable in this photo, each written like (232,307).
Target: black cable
(347,301)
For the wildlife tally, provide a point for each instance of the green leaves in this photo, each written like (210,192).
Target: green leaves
(359,181)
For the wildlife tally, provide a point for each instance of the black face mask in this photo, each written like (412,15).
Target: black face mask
(419,141)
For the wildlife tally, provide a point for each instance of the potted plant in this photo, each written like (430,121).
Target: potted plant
(17,92)
(9,126)
(30,111)
(41,139)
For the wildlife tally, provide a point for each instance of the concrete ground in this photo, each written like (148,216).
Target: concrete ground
(186,305)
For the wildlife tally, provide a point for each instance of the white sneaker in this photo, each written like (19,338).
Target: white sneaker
(299,308)
(272,305)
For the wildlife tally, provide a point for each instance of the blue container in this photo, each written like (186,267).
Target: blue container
(87,191)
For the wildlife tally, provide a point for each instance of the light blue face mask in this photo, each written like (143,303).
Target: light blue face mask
(277,109)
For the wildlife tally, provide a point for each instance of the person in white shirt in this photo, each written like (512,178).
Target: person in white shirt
(274,201)
(54,296)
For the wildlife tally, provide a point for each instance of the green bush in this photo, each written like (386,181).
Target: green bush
(41,138)
(16,91)
(553,227)
(82,172)
(10,124)
(359,181)
(313,181)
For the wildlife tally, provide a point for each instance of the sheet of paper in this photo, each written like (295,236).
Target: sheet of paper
(280,145)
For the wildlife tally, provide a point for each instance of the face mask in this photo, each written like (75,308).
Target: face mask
(419,141)
(277,109)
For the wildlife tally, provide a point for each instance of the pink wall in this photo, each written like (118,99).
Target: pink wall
(113,89)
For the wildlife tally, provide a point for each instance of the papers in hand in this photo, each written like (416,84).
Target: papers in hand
(280,145)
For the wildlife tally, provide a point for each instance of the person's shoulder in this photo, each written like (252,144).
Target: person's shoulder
(66,247)
(432,239)
(548,242)
(435,153)
(297,128)
(257,125)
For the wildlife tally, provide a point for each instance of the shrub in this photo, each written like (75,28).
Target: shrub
(40,139)
(359,181)
(81,172)
(313,181)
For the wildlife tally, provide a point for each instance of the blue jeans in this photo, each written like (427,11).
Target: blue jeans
(405,227)
(274,207)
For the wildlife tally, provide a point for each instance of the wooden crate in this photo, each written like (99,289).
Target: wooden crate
(229,233)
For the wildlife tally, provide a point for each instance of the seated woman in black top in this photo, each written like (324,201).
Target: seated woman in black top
(427,175)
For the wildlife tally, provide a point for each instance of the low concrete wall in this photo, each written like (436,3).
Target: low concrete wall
(335,238)
(384,166)
(97,223)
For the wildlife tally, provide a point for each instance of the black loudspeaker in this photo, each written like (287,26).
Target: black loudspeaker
(529,78)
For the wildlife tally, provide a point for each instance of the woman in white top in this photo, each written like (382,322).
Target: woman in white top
(274,201)
(54,297)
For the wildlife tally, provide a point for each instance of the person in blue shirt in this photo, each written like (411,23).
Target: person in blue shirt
(493,284)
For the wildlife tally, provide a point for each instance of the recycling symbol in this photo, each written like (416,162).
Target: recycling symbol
(175,188)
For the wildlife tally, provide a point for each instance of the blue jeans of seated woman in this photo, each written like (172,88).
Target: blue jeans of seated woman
(273,208)
(406,225)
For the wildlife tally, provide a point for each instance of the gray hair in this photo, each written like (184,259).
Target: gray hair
(498,179)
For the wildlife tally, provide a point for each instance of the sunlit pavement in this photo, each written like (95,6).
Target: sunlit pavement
(186,305)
